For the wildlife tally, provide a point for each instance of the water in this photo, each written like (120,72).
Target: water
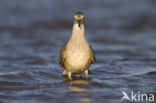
(122,33)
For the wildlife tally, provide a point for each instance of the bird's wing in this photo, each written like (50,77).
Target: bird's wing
(93,59)
(62,57)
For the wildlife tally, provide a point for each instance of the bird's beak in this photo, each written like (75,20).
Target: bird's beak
(79,23)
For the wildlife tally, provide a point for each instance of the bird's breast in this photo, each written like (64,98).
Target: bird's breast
(78,55)
(78,58)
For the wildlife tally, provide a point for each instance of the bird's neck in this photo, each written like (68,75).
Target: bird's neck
(77,39)
(78,32)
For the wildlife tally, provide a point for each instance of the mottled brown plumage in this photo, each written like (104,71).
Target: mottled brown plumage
(76,55)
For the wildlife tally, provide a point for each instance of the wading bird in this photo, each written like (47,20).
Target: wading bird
(76,55)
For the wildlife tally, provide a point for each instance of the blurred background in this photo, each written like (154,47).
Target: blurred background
(121,32)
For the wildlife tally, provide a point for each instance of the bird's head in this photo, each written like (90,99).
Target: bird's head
(79,17)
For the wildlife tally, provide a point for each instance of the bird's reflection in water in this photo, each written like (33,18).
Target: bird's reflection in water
(76,80)
(77,85)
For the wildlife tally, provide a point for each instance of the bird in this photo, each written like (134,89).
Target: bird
(77,55)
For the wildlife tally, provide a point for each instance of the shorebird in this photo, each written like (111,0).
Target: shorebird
(77,55)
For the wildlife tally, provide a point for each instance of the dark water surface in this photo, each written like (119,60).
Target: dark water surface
(122,33)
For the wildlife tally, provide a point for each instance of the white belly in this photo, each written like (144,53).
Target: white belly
(77,60)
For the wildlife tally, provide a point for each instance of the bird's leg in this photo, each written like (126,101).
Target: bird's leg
(86,74)
(65,73)
(69,76)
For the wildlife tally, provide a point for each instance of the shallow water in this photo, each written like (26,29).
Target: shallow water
(121,32)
